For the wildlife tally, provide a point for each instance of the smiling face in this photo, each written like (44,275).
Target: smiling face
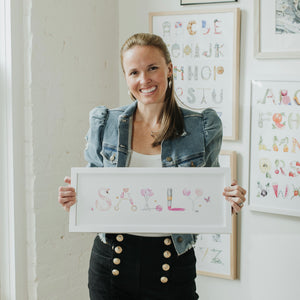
(146,73)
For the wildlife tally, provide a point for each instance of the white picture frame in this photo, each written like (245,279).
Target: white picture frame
(275,147)
(216,254)
(206,73)
(140,200)
(192,2)
(270,39)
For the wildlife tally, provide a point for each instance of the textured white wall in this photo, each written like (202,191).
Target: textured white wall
(268,245)
(71,67)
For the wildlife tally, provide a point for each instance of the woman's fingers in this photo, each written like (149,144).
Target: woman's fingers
(235,187)
(66,195)
(66,200)
(68,205)
(67,179)
(235,207)
(235,194)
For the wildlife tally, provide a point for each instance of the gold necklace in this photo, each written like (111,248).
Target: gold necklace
(153,133)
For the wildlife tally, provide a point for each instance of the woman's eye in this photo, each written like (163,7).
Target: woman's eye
(133,73)
(153,68)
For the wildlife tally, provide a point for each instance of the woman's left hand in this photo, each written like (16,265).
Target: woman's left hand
(235,194)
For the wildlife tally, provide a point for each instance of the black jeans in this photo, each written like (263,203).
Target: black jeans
(140,268)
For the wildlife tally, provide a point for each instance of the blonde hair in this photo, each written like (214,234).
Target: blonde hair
(171,119)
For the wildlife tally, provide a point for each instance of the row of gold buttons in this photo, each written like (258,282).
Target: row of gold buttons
(118,250)
(167,254)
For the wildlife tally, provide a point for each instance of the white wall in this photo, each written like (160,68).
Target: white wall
(70,67)
(268,245)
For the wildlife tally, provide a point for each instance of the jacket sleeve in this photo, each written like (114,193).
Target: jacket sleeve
(213,131)
(94,137)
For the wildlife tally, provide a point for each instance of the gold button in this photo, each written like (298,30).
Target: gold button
(115,272)
(167,254)
(112,158)
(120,238)
(166,267)
(180,239)
(116,261)
(167,242)
(164,279)
(118,249)
(169,158)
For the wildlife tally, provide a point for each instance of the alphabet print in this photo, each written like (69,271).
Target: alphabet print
(126,196)
(150,200)
(147,193)
(104,203)
(275,147)
(203,51)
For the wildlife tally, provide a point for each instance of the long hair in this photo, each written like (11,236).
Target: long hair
(171,119)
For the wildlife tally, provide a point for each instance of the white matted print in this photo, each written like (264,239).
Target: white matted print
(164,200)
(189,2)
(216,253)
(287,19)
(277,28)
(275,147)
(204,49)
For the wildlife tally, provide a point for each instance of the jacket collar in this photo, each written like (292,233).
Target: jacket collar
(129,110)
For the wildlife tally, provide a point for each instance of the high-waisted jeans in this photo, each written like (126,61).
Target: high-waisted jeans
(131,267)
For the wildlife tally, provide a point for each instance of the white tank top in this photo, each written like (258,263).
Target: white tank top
(139,160)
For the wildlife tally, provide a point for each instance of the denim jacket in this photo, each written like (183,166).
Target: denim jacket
(109,145)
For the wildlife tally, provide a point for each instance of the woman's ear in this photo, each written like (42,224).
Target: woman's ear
(170,69)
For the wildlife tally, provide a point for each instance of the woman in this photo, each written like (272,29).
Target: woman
(152,131)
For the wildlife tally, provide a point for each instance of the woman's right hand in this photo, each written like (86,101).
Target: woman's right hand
(66,195)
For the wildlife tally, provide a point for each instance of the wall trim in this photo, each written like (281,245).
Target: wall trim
(13,218)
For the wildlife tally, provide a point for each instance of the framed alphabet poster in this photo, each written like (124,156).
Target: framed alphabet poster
(164,200)
(275,147)
(204,49)
(216,253)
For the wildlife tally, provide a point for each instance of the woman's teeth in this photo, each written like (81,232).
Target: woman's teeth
(150,90)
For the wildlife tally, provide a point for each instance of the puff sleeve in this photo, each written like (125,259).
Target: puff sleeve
(213,132)
(92,153)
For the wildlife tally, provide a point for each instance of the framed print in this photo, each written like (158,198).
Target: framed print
(277,29)
(275,147)
(189,2)
(164,200)
(204,49)
(216,253)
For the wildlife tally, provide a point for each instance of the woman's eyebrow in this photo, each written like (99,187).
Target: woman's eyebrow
(150,65)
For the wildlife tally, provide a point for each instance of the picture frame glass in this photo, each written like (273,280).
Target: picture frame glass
(275,147)
(216,253)
(188,2)
(204,49)
(181,200)
(279,27)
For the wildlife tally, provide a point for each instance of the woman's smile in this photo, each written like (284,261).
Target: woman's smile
(148,90)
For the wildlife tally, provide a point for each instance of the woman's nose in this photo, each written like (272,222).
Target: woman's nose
(144,78)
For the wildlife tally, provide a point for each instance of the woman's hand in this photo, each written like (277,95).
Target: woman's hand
(235,194)
(66,195)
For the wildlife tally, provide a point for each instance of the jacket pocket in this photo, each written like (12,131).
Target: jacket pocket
(195,160)
(109,154)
